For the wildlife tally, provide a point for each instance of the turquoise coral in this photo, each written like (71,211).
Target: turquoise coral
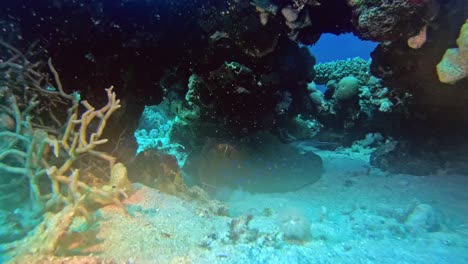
(155,133)
(348,87)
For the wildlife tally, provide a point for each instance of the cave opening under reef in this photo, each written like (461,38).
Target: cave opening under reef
(331,47)
(243,131)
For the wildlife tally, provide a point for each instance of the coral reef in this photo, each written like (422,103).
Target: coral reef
(336,70)
(306,20)
(225,92)
(436,110)
(154,132)
(405,69)
(416,42)
(300,128)
(254,44)
(157,169)
(382,21)
(354,100)
(454,65)
(347,88)
(43,147)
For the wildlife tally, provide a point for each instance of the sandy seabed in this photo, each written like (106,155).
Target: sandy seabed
(357,214)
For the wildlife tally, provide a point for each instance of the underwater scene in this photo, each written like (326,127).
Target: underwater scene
(234,131)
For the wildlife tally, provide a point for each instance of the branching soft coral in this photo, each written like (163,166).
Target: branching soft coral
(41,145)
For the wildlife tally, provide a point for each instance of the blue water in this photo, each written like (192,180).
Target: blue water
(331,47)
(287,192)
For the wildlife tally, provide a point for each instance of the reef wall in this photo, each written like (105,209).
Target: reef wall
(237,66)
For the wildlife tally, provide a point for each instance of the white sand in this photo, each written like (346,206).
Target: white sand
(357,215)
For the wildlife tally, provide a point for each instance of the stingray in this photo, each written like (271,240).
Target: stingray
(261,165)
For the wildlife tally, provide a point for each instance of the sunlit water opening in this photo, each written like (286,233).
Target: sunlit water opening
(331,47)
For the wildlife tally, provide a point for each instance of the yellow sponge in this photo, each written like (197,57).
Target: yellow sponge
(452,68)
(462,41)
(454,64)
